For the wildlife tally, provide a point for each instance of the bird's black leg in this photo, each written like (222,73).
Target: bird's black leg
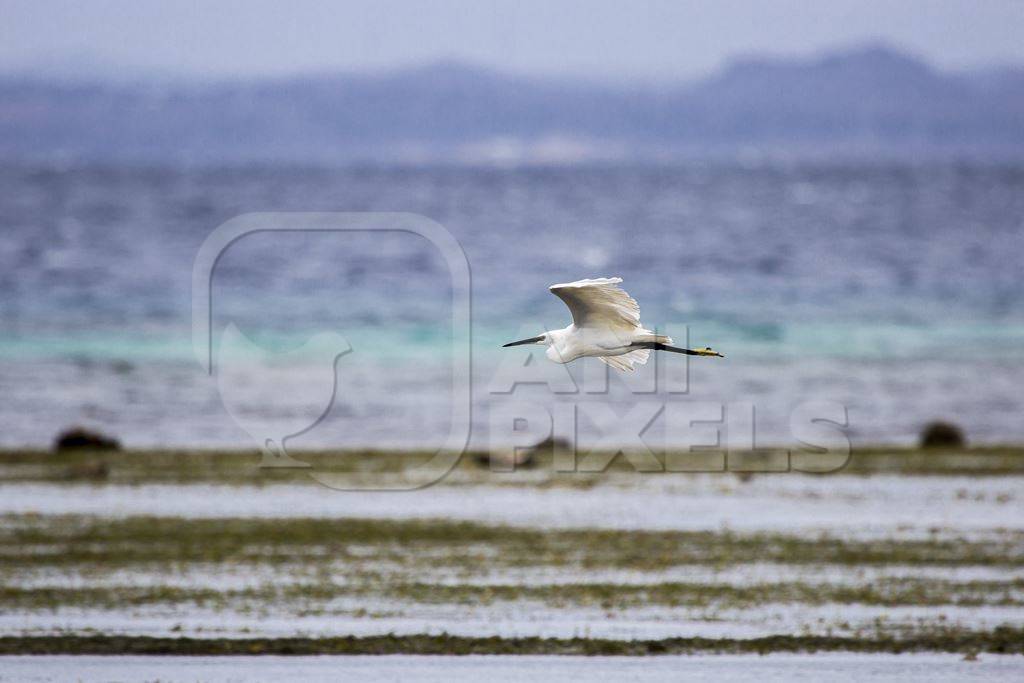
(657,346)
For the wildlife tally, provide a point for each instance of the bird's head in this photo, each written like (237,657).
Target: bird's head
(540,339)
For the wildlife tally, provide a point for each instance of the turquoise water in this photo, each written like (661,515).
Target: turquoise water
(795,340)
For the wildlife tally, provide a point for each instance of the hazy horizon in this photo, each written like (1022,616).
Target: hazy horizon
(653,42)
(81,70)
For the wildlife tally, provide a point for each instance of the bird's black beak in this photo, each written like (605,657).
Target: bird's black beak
(531,340)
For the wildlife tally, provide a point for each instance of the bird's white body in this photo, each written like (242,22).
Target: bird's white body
(605,324)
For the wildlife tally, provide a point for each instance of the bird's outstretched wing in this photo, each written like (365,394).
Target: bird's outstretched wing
(599,302)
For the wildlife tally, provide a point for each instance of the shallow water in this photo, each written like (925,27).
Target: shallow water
(978,509)
(837,667)
(219,577)
(854,506)
(523,618)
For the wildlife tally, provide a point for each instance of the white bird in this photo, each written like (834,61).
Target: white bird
(605,324)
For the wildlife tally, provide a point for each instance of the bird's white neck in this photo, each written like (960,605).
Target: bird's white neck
(561,348)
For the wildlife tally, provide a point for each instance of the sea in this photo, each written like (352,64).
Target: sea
(871,298)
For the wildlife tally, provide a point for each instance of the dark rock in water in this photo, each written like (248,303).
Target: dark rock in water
(504,461)
(80,438)
(552,444)
(507,461)
(942,435)
(546,448)
(122,367)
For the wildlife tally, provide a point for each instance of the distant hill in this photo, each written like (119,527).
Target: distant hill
(870,101)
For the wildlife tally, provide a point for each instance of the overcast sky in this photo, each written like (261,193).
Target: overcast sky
(654,40)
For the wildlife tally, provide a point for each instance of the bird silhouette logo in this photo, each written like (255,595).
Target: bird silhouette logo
(275,396)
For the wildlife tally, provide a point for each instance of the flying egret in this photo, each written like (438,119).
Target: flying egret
(606,324)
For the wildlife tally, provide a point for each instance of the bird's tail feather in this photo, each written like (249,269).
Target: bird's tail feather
(626,361)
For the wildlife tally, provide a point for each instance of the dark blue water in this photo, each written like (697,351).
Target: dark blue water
(895,290)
